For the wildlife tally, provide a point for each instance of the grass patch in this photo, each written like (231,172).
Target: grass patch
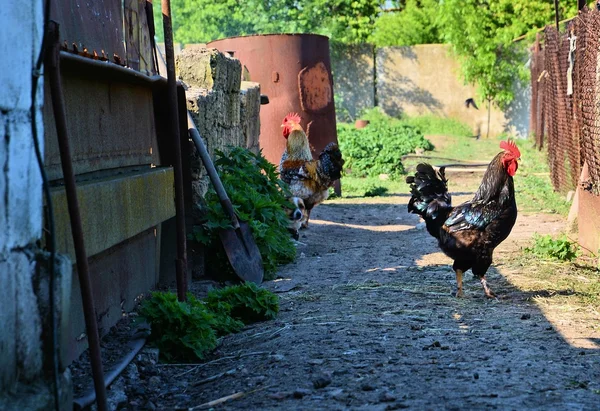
(353,187)
(571,285)
(439,126)
(532,183)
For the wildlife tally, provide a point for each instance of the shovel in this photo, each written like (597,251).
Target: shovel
(239,245)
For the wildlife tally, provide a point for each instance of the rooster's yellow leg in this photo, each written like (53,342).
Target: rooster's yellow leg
(486,289)
(459,283)
(307,216)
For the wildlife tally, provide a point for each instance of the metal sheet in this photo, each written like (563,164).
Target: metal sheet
(111,125)
(138,37)
(119,275)
(294,71)
(115,209)
(93,24)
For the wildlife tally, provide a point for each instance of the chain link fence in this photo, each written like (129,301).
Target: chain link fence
(565,105)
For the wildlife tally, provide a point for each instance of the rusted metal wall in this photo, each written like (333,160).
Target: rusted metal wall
(294,71)
(111,125)
(112,121)
(116,29)
(91,24)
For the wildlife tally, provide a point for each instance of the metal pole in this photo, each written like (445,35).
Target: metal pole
(556,19)
(60,118)
(181,263)
(581,4)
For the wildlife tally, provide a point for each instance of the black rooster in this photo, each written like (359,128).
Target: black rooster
(470,232)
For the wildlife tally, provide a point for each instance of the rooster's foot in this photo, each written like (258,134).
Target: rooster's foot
(488,293)
(459,293)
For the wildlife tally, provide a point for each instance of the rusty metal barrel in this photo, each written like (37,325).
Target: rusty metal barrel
(294,71)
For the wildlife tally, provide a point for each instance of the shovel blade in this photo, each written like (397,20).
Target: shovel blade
(243,253)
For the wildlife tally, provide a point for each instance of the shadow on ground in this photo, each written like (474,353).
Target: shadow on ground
(368,321)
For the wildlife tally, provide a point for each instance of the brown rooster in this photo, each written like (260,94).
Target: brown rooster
(297,146)
(470,232)
(308,179)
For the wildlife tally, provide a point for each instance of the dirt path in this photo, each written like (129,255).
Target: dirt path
(368,322)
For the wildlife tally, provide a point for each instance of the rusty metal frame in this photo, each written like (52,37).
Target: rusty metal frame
(58,104)
(108,70)
(181,262)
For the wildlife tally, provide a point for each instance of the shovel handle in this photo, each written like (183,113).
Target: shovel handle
(212,173)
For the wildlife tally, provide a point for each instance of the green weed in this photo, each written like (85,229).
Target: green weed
(544,246)
(182,331)
(187,331)
(248,303)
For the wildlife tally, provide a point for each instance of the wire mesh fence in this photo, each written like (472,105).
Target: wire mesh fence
(565,105)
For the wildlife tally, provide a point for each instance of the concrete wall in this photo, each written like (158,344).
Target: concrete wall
(418,80)
(21,321)
(353,68)
(20,189)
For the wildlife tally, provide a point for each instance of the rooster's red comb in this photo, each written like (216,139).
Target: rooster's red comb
(288,121)
(511,147)
(294,117)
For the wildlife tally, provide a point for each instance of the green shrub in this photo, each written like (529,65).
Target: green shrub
(379,147)
(561,248)
(182,331)
(259,198)
(247,302)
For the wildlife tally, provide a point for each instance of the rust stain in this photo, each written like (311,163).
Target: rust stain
(314,84)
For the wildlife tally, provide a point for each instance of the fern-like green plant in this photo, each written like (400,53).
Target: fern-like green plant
(259,198)
(248,302)
(187,331)
(223,323)
(182,331)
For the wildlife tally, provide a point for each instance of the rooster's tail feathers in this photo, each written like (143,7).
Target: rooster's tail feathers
(331,162)
(429,189)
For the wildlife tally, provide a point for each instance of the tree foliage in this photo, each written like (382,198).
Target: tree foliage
(481,33)
(199,21)
(415,23)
